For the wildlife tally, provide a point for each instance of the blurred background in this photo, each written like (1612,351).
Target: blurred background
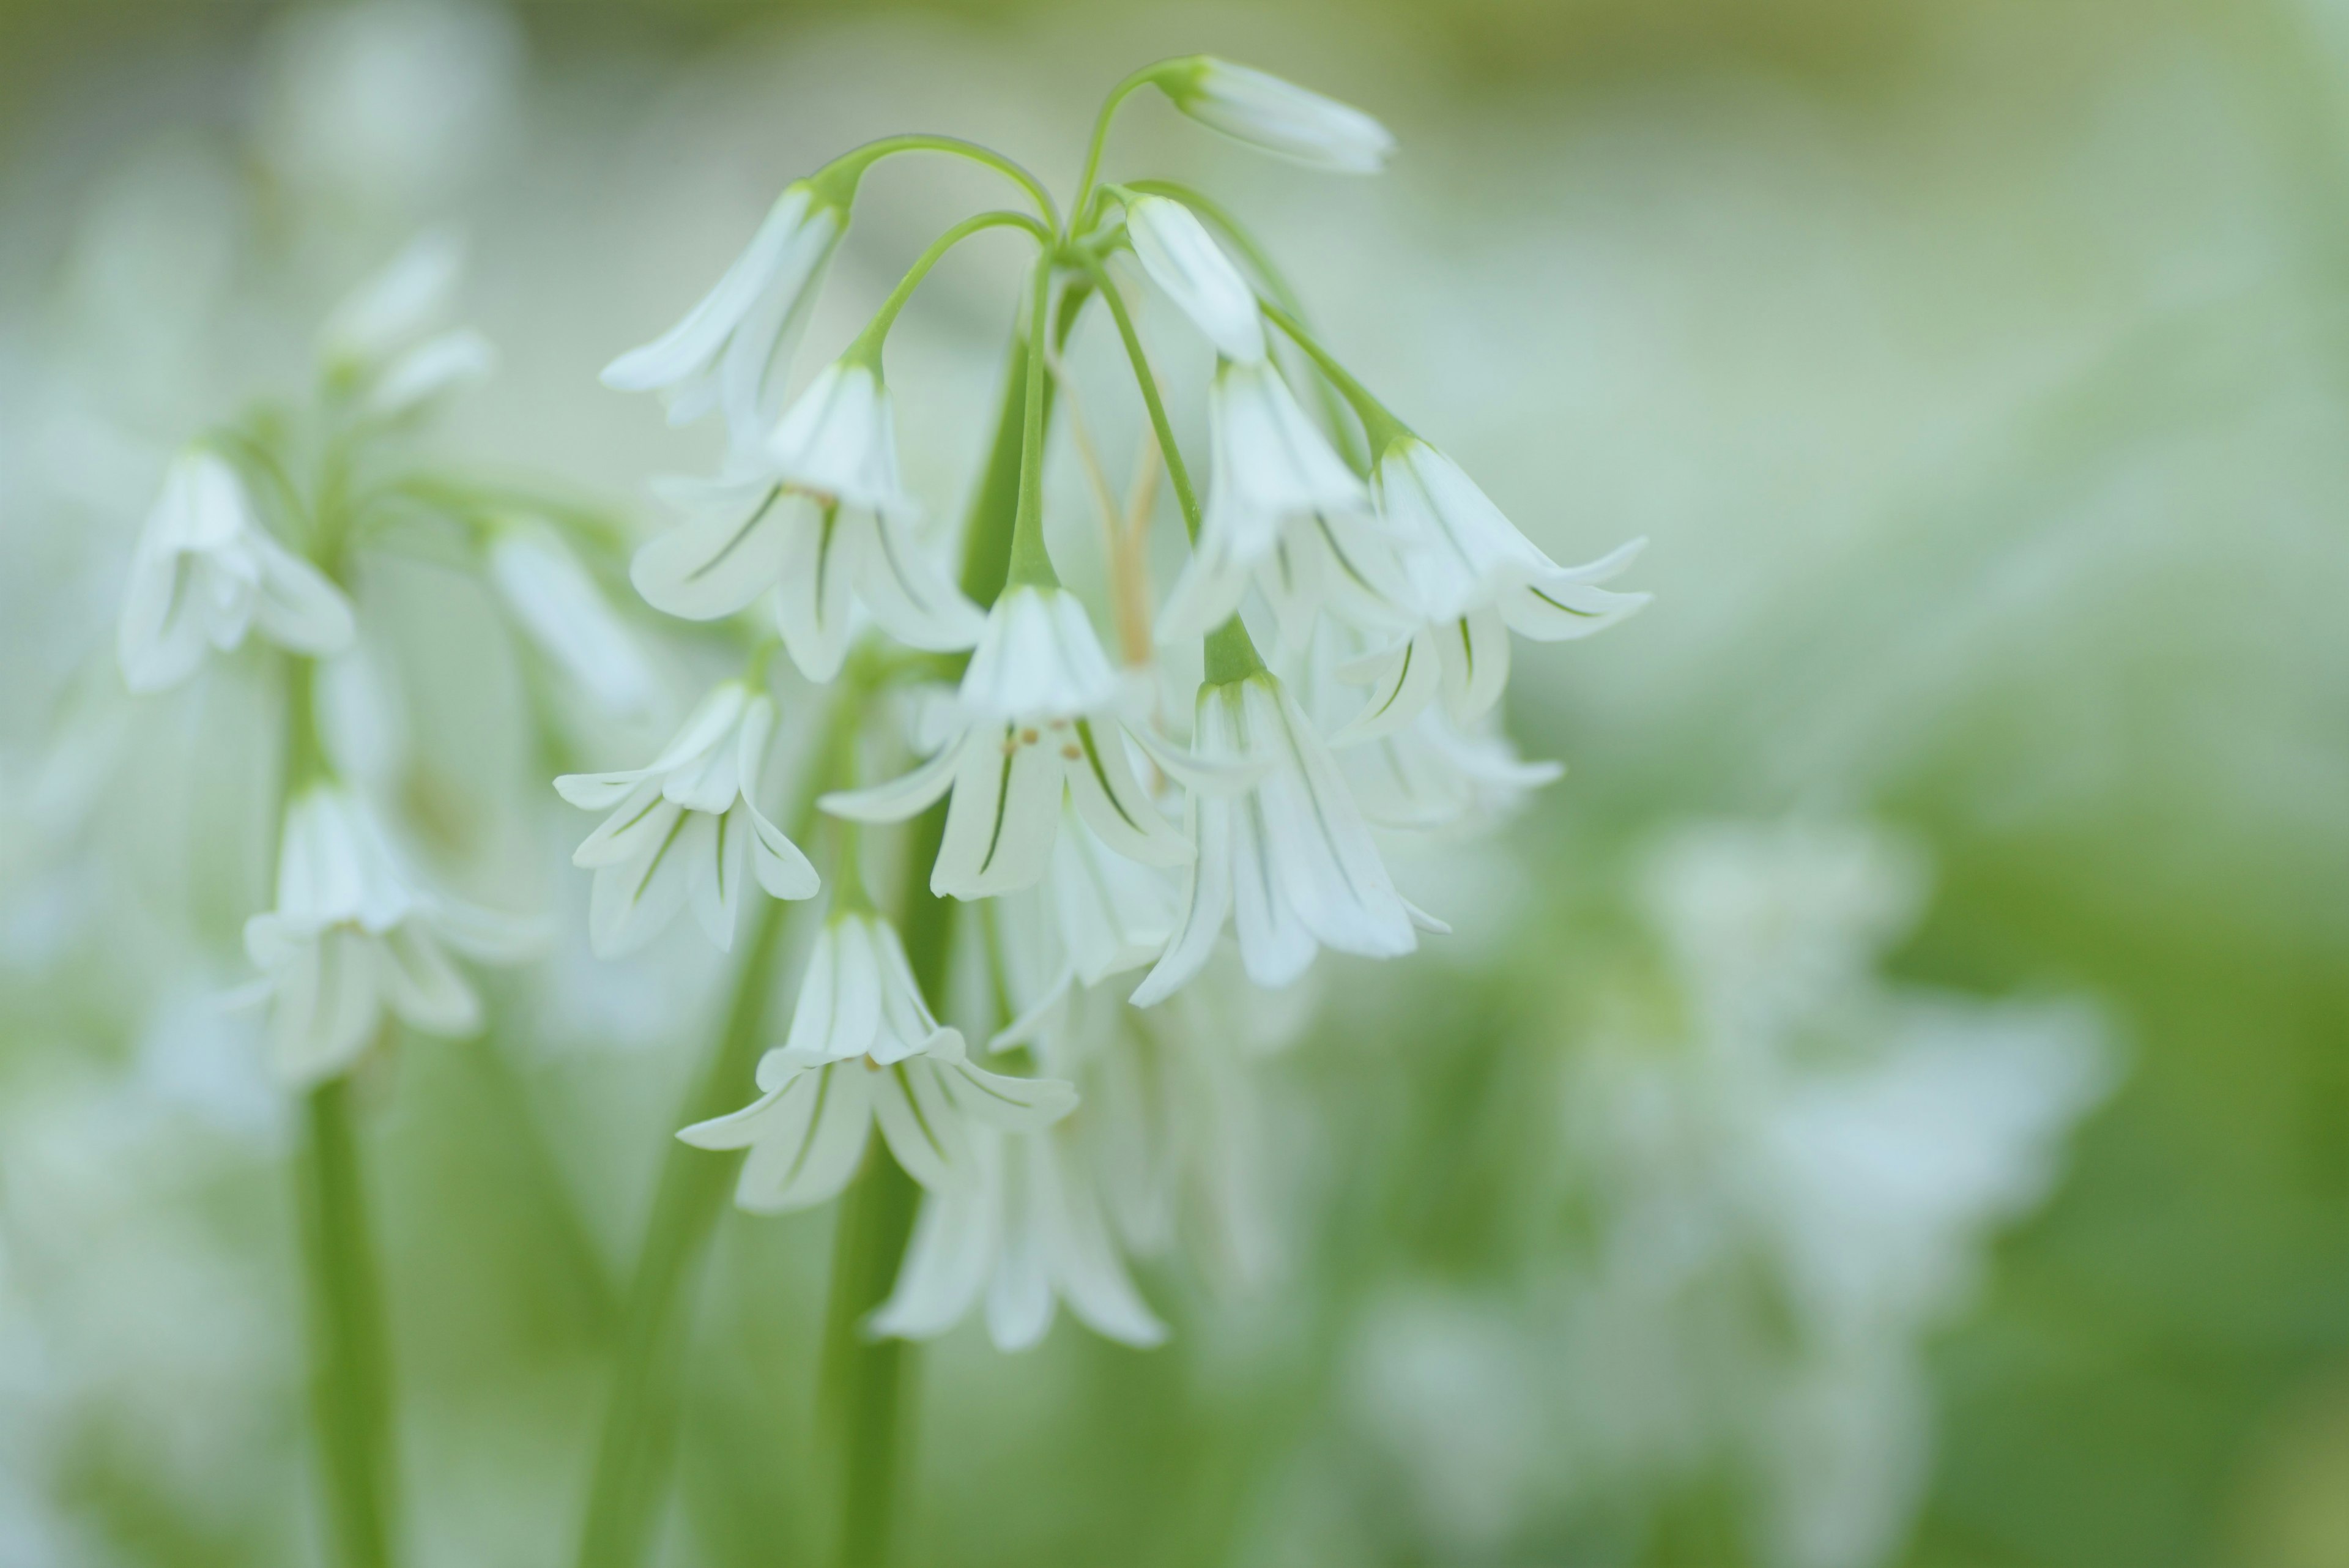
(1889,1104)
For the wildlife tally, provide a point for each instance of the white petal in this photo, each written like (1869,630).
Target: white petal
(1020,1295)
(906,795)
(1038,658)
(782,870)
(907,1027)
(813,597)
(839,440)
(945,1264)
(1113,915)
(297,607)
(710,726)
(567,614)
(634,901)
(839,1010)
(692,346)
(435,366)
(1114,805)
(1476,664)
(1563,606)
(641,815)
(715,847)
(1005,813)
(1403,681)
(909,593)
(160,639)
(923,1128)
(732,548)
(423,987)
(1184,260)
(1280,116)
(1011,1105)
(1084,1261)
(1323,859)
(400,304)
(329,1007)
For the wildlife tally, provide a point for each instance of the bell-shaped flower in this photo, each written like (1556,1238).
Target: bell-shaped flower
(1433,773)
(822,555)
(734,349)
(205,572)
(1030,1232)
(1274,477)
(1288,863)
(356,934)
(681,828)
(556,601)
(1184,260)
(1039,721)
(1277,116)
(864,1047)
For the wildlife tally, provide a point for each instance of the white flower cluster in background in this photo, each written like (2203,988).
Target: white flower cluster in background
(1791,1187)
(1127,848)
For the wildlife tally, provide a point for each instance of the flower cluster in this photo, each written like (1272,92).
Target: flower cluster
(1362,557)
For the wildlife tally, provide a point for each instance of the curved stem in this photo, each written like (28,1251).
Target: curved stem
(633,1452)
(1177,471)
(868,342)
(851,166)
(349,1378)
(1117,95)
(1379,426)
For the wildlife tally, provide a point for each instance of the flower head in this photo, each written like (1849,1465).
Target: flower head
(1280,116)
(355,933)
(840,440)
(1288,861)
(205,572)
(1038,720)
(1275,478)
(1184,260)
(865,1048)
(733,348)
(681,828)
(744,536)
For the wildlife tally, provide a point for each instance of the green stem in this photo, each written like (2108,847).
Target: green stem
(850,167)
(639,1422)
(866,1383)
(1117,95)
(1380,427)
(867,346)
(1031,562)
(349,1376)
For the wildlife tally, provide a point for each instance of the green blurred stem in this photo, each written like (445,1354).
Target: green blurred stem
(349,1370)
(639,1423)
(866,1383)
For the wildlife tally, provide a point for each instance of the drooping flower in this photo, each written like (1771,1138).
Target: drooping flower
(732,350)
(824,519)
(1476,578)
(205,572)
(1184,260)
(559,604)
(864,1047)
(355,934)
(1029,1231)
(388,336)
(1289,862)
(681,828)
(1040,711)
(1277,116)
(1274,479)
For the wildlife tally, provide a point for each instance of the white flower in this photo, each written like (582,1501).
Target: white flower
(205,572)
(1476,579)
(1029,1230)
(559,604)
(1277,116)
(840,440)
(1275,480)
(1290,862)
(732,350)
(1185,261)
(354,933)
(864,1047)
(1039,709)
(681,828)
(744,536)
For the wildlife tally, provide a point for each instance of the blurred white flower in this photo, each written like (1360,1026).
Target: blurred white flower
(205,572)
(397,308)
(433,366)
(864,1047)
(1274,478)
(1028,1231)
(823,559)
(681,826)
(1433,773)
(732,351)
(567,616)
(1289,862)
(354,933)
(1039,707)
(1278,115)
